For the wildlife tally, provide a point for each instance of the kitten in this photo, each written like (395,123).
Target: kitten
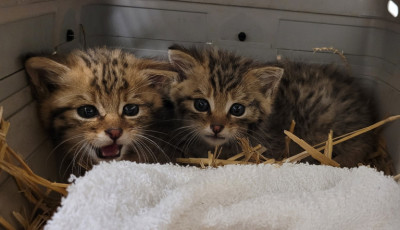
(102,104)
(220,96)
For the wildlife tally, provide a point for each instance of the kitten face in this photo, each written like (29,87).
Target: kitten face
(99,104)
(219,96)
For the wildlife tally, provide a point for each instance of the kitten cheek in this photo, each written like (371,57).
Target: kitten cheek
(134,135)
(266,106)
(99,140)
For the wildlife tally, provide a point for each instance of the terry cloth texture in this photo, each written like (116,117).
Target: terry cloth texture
(127,195)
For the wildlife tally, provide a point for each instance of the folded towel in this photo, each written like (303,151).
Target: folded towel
(127,195)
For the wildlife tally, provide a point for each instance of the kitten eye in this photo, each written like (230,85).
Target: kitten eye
(130,110)
(201,105)
(87,111)
(237,110)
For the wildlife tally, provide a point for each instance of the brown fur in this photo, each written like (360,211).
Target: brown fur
(317,97)
(108,80)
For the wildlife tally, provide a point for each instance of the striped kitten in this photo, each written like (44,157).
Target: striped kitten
(102,104)
(220,96)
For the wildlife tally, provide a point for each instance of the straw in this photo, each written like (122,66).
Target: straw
(37,190)
(253,155)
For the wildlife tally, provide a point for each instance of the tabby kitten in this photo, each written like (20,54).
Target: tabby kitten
(220,96)
(102,104)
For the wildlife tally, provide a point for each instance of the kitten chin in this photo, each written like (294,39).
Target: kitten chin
(103,104)
(221,96)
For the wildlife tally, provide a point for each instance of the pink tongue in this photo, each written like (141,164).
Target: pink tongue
(110,150)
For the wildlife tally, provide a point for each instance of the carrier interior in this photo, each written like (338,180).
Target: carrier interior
(364,30)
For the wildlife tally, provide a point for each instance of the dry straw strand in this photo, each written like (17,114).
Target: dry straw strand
(253,155)
(242,154)
(247,149)
(35,188)
(313,152)
(344,137)
(287,139)
(4,126)
(5,224)
(329,145)
(366,129)
(21,219)
(334,51)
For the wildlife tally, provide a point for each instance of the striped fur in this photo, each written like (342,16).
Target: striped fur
(109,80)
(317,97)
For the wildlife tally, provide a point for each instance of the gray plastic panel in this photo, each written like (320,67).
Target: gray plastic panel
(27,128)
(359,8)
(367,41)
(12,84)
(144,23)
(18,38)
(16,102)
(8,3)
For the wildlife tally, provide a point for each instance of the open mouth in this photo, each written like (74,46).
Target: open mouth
(109,152)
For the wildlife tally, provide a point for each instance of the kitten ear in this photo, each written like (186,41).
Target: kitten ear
(269,78)
(182,61)
(160,78)
(44,73)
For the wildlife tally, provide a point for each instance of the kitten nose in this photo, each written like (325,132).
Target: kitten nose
(216,128)
(114,133)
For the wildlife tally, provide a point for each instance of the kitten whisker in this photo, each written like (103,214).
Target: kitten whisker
(63,142)
(190,138)
(155,145)
(136,151)
(77,147)
(181,134)
(77,156)
(161,140)
(70,165)
(142,149)
(253,133)
(182,130)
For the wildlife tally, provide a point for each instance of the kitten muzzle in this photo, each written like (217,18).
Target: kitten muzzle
(215,137)
(109,152)
(215,140)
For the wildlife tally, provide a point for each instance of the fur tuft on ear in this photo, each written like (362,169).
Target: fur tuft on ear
(182,61)
(160,79)
(269,77)
(44,73)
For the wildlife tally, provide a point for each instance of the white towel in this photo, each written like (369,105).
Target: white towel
(126,195)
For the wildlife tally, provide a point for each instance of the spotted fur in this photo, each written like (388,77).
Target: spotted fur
(106,86)
(318,98)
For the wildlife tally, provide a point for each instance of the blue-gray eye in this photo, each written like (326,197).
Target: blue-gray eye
(87,111)
(130,110)
(201,105)
(237,110)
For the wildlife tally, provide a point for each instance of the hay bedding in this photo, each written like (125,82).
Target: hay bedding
(272,194)
(37,190)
